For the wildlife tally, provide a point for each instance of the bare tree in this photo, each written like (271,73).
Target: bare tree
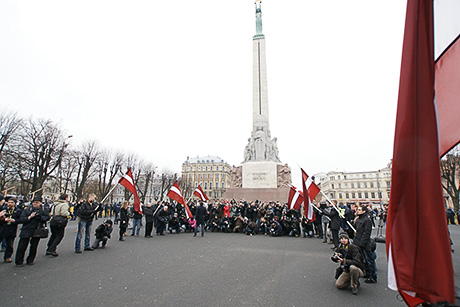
(167,180)
(88,154)
(39,152)
(450,165)
(10,126)
(109,165)
(145,179)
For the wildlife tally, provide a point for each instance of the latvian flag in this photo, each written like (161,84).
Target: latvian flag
(128,182)
(310,190)
(176,194)
(427,127)
(295,199)
(200,193)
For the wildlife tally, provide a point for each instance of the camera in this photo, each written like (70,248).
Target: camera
(336,256)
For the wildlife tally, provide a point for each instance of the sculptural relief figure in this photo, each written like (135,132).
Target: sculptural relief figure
(236,177)
(284,176)
(259,143)
(274,150)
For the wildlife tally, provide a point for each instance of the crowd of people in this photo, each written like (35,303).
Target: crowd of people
(250,218)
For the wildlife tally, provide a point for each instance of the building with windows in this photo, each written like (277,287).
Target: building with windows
(210,172)
(362,187)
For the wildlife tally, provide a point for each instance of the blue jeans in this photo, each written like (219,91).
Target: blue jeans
(136,224)
(86,225)
(371,269)
(202,228)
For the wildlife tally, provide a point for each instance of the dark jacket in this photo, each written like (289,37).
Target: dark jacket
(148,212)
(10,229)
(103,230)
(41,216)
(124,218)
(334,216)
(87,210)
(363,226)
(200,214)
(137,215)
(352,255)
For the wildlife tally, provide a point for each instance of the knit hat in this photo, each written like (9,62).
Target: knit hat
(344,235)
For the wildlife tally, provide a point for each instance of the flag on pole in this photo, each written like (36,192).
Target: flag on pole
(128,182)
(416,217)
(310,190)
(295,199)
(176,194)
(200,193)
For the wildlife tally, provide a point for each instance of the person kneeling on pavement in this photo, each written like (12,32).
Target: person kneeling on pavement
(103,233)
(351,264)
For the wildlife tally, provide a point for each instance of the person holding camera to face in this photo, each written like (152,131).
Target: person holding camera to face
(9,226)
(351,265)
(32,217)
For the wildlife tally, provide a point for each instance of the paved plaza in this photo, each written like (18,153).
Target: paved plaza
(181,270)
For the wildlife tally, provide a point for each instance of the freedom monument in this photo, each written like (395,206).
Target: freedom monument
(261,176)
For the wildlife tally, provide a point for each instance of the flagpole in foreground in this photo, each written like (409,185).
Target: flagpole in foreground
(110,192)
(338,211)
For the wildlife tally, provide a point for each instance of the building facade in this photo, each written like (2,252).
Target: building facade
(210,172)
(356,187)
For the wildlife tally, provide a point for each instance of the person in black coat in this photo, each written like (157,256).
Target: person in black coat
(334,224)
(124,219)
(148,213)
(103,234)
(363,226)
(9,226)
(32,217)
(199,217)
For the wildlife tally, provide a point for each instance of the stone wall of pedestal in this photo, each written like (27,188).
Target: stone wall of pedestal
(260,175)
(264,195)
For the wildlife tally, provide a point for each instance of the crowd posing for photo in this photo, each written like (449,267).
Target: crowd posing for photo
(337,224)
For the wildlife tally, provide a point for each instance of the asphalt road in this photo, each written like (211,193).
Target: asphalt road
(182,270)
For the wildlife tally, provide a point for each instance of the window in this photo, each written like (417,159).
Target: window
(340,186)
(338,177)
(210,185)
(358,185)
(364,175)
(373,194)
(388,184)
(332,195)
(352,186)
(332,186)
(365,184)
(340,195)
(223,185)
(205,185)
(347,195)
(360,195)
(353,195)
(366,195)
(372,184)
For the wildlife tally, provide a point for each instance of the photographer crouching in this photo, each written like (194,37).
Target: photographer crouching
(351,265)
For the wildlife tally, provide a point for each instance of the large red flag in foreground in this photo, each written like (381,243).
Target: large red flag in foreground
(295,199)
(310,190)
(176,194)
(128,182)
(200,193)
(416,231)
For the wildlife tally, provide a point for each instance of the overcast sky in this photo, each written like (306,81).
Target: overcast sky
(171,79)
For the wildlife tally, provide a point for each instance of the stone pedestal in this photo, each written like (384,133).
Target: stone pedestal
(264,195)
(260,175)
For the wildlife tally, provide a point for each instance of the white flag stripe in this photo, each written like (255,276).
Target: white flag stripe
(294,199)
(129,179)
(176,190)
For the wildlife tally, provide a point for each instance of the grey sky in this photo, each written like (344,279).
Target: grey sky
(171,79)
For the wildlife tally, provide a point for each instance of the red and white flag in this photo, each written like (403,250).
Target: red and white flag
(176,194)
(295,199)
(200,193)
(310,190)
(428,91)
(128,182)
